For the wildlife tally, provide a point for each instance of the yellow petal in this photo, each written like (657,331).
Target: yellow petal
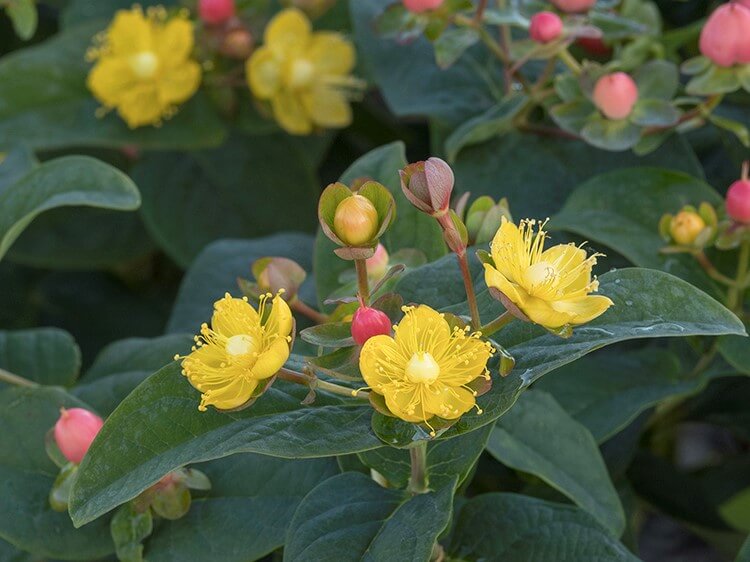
(541,312)
(110,79)
(271,360)
(327,107)
(381,362)
(140,106)
(422,329)
(332,54)
(465,360)
(449,403)
(570,263)
(407,404)
(508,250)
(584,309)
(279,321)
(234,317)
(231,396)
(493,278)
(288,32)
(290,113)
(173,42)
(130,33)
(263,71)
(180,83)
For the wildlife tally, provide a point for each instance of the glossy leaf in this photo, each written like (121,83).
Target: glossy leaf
(44,355)
(736,350)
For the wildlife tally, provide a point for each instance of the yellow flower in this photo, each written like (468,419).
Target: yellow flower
(304,75)
(550,287)
(426,369)
(143,66)
(241,349)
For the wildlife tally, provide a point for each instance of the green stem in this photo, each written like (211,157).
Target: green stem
(10,378)
(494,326)
(418,482)
(736,293)
(570,61)
(471,296)
(363,283)
(314,382)
(711,270)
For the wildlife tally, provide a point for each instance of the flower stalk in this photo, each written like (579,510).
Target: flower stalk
(314,382)
(497,324)
(363,285)
(471,297)
(10,378)
(418,481)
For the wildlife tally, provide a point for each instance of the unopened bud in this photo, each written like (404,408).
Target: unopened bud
(685,227)
(419,6)
(574,6)
(545,27)
(274,274)
(377,265)
(215,12)
(237,44)
(615,95)
(738,201)
(356,220)
(484,217)
(368,322)
(428,185)
(725,38)
(75,431)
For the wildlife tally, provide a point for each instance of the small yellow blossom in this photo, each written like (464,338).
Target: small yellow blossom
(143,65)
(240,350)
(426,369)
(305,75)
(550,287)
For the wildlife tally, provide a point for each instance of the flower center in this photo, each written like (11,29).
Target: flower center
(422,368)
(539,274)
(241,345)
(301,73)
(144,64)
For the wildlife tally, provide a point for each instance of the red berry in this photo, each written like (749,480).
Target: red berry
(74,432)
(574,6)
(368,322)
(545,27)
(738,201)
(419,6)
(215,12)
(595,46)
(725,39)
(615,95)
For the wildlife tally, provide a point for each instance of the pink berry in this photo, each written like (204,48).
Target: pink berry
(545,27)
(615,95)
(738,201)
(74,432)
(368,322)
(419,6)
(574,6)
(377,265)
(215,12)
(725,38)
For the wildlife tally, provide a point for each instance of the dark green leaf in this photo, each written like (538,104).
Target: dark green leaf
(129,528)
(736,350)
(611,135)
(24,17)
(44,355)
(332,334)
(452,44)
(351,518)
(78,11)
(654,113)
(658,79)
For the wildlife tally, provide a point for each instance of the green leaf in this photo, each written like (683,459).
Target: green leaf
(573,115)
(128,529)
(654,113)
(659,79)
(9,553)
(15,163)
(411,81)
(744,554)
(735,127)
(191,200)
(67,181)
(27,475)
(611,135)
(600,210)
(331,334)
(411,229)
(24,17)
(44,101)
(513,528)
(607,391)
(351,518)
(125,364)
(452,44)
(215,272)
(446,460)
(158,428)
(736,350)
(538,437)
(716,80)
(78,11)
(45,355)
(495,121)
(248,493)
(546,169)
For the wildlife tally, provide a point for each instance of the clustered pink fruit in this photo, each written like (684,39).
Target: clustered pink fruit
(368,322)
(75,431)
(215,12)
(725,39)
(738,201)
(419,6)
(545,27)
(615,95)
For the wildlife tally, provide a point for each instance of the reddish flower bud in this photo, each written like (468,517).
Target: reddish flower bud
(368,322)
(377,265)
(738,201)
(428,185)
(725,39)
(215,12)
(545,27)
(615,95)
(237,44)
(574,6)
(419,6)
(74,432)
(595,46)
